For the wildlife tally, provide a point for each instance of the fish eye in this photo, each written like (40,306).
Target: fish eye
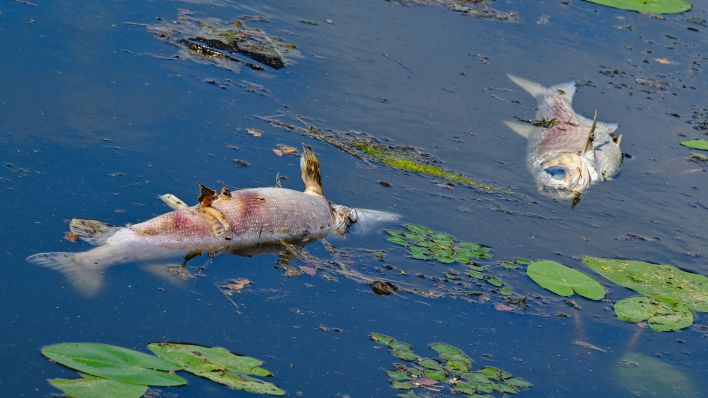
(555,172)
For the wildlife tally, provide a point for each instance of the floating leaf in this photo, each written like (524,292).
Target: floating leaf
(505,291)
(662,313)
(398,375)
(655,280)
(397,240)
(562,280)
(451,353)
(647,6)
(402,385)
(115,363)
(696,144)
(92,387)
(219,365)
(438,375)
(381,338)
(475,274)
(494,281)
(418,229)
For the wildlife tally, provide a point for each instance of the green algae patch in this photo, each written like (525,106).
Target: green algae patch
(399,160)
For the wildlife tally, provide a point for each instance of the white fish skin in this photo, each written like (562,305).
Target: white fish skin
(558,156)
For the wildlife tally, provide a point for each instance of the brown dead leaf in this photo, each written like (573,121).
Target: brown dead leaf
(287,149)
(254,132)
(278,152)
(588,346)
(70,236)
(664,61)
(308,270)
(503,307)
(235,285)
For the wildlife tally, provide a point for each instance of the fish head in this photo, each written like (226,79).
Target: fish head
(608,158)
(343,218)
(564,176)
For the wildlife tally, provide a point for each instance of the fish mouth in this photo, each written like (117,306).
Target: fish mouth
(343,218)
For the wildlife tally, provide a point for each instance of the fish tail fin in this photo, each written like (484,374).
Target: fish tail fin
(172,201)
(91,231)
(532,88)
(310,169)
(522,129)
(82,275)
(367,219)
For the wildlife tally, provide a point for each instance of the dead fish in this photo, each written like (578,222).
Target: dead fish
(243,222)
(567,152)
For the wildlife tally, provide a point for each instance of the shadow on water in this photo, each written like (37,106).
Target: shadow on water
(98,117)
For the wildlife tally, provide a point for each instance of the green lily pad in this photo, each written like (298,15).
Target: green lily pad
(398,240)
(115,363)
(405,355)
(475,274)
(517,382)
(647,6)
(419,229)
(438,375)
(696,144)
(663,314)
(398,375)
(219,365)
(505,291)
(562,280)
(451,353)
(430,364)
(381,338)
(402,385)
(655,280)
(92,387)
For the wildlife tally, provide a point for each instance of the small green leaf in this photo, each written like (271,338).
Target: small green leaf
(92,387)
(522,261)
(696,144)
(494,281)
(475,274)
(505,291)
(562,280)
(518,382)
(398,375)
(398,240)
(491,372)
(381,338)
(438,375)
(402,385)
(418,229)
(476,377)
(405,355)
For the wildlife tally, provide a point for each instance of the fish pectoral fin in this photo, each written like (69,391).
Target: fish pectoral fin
(522,129)
(92,231)
(591,135)
(206,195)
(172,201)
(310,170)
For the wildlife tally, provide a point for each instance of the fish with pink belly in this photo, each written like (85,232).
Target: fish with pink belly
(567,152)
(243,222)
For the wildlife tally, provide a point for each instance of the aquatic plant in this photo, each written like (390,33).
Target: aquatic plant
(696,144)
(451,371)
(662,314)
(563,281)
(647,6)
(399,160)
(112,371)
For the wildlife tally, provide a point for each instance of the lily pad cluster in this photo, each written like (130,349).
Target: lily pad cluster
(451,371)
(671,293)
(425,244)
(111,371)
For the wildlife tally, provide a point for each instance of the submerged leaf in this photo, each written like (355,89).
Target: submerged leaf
(562,280)
(647,376)
(663,314)
(92,387)
(115,363)
(647,6)
(655,280)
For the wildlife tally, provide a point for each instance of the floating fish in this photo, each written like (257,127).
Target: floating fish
(567,152)
(243,222)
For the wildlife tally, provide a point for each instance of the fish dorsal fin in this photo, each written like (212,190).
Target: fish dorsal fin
(591,135)
(172,201)
(567,89)
(522,129)
(310,169)
(206,195)
(530,87)
(278,180)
